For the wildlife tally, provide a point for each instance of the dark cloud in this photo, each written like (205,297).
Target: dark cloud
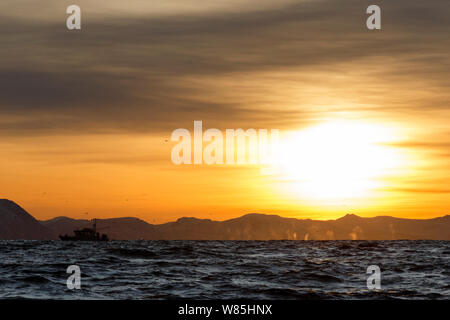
(52,90)
(134,74)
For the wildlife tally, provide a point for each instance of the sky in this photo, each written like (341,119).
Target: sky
(86,116)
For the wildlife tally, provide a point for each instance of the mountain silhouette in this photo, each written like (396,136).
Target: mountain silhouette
(16,223)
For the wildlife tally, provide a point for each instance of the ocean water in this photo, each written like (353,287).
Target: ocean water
(225,269)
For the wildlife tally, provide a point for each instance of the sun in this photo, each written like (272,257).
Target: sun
(336,160)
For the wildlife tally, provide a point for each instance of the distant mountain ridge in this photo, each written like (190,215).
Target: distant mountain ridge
(248,227)
(16,223)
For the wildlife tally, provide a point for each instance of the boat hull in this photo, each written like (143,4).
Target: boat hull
(74,238)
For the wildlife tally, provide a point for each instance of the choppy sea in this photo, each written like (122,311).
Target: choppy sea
(225,269)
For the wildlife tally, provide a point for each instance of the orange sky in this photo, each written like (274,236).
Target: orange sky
(86,117)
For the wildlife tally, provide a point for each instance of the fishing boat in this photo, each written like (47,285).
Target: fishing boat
(86,234)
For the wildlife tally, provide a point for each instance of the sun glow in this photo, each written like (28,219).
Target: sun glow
(336,160)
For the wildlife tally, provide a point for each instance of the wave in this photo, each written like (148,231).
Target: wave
(226,269)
